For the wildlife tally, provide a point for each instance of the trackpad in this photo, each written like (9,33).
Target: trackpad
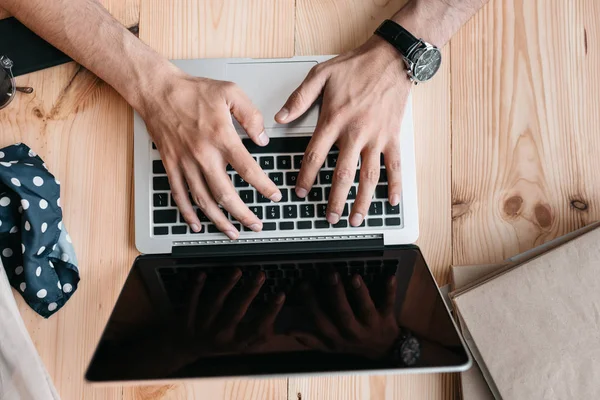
(270,84)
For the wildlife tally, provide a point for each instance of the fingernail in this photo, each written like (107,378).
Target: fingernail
(195,227)
(263,139)
(232,234)
(333,279)
(333,218)
(393,280)
(282,114)
(356,219)
(356,282)
(395,200)
(275,197)
(280,298)
(256,227)
(301,192)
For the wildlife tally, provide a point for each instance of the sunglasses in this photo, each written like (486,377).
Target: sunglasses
(8,87)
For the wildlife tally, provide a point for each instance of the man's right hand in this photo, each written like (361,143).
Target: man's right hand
(190,121)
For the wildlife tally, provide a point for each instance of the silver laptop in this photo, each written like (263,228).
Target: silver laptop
(159,227)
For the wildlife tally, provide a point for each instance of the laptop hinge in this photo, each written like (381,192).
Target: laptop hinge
(278,245)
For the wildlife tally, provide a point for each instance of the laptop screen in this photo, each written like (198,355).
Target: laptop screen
(193,317)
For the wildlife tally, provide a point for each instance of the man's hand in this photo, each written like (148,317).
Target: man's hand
(364,94)
(193,130)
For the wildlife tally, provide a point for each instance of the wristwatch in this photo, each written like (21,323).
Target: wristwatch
(422,59)
(406,350)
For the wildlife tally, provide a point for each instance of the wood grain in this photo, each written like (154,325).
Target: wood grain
(331,27)
(525,126)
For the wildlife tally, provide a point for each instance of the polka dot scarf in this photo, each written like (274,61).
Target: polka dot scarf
(35,248)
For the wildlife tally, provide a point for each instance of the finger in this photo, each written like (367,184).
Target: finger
(205,202)
(369,176)
(322,322)
(180,194)
(265,323)
(343,179)
(315,156)
(390,296)
(225,194)
(246,166)
(244,302)
(391,157)
(217,304)
(248,116)
(310,341)
(304,96)
(194,298)
(366,308)
(342,312)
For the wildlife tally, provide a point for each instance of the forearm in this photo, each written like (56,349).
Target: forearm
(436,21)
(86,32)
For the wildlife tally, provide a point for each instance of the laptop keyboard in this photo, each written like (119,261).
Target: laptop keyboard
(280,277)
(281,160)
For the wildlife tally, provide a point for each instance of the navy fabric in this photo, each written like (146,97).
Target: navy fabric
(35,248)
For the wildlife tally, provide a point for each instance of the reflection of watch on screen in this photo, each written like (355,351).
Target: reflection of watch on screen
(422,59)
(406,350)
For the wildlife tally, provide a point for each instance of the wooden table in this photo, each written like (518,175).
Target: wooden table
(508,138)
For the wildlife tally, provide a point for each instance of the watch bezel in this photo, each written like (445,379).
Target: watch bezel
(412,58)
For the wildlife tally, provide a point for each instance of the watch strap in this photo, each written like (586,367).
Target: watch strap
(397,36)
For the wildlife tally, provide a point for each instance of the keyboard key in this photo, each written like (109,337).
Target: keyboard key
(284,162)
(321,210)
(153,146)
(345,212)
(247,196)
(341,224)
(290,211)
(381,192)
(321,224)
(277,178)
(290,178)
(298,161)
(284,195)
(375,222)
(261,199)
(327,192)
(286,226)
(376,208)
(392,221)
(357,176)
(304,224)
(383,175)
(229,168)
(161,230)
(352,193)
(273,212)
(165,216)
(160,183)
(161,199)
(225,212)
(267,163)
(332,160)
(201,216)
(307,210)
(315,194)
(269,226)
(179,230)
(237,226)
(390,209)
(158,167)
(258,210)
(238,181)
(325,177)
(212,229)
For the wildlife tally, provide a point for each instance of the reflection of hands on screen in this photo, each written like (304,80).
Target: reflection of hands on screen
(215,316)
(361,328)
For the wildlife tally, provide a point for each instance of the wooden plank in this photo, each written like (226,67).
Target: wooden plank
(525,137)
(212,28)
(331,27)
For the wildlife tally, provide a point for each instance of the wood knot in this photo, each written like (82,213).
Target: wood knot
(38,113)
(543,215)
(512,205)
(459,209)
(579,205)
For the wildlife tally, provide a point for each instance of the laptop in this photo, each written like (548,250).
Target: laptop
(300,297)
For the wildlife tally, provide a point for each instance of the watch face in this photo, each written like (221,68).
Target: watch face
(410,351)
(427,64)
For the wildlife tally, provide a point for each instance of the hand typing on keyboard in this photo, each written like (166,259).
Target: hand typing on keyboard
(193,130)
(364,94)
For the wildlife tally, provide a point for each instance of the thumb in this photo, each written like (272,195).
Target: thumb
(249,117)
(303,97)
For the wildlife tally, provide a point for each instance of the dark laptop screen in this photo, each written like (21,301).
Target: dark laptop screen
(194,317)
